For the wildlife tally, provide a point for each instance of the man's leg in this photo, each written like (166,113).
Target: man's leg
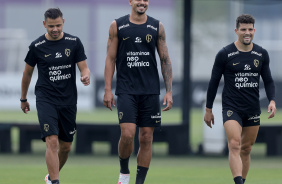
(125,148)
(63,153)
(233,132)
(249,136)
(145,153)
(51,156)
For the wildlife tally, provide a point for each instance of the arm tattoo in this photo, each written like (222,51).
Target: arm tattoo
(165,60)
(111,36)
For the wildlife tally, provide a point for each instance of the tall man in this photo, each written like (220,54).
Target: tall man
(131,47)
(56,54)
(241,63)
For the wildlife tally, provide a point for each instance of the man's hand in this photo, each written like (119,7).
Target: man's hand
(209,118)
(272,109)
(25,107)
(168,101)
(85,80)
(109,99)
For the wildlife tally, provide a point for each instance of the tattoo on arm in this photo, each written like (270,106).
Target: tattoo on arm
(165,60)
(111,36)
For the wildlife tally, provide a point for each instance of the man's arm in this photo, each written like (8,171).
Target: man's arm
(27,75)
(84,72)
(166,67)
(110,63)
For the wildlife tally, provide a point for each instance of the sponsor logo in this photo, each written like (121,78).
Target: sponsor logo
(152,27)
(138,40)
(255,121)
(39,43)
(126,38)
(55,73)
(156,116)
(47,55)
(58,55)
(254,52)
(247,67)
(256,63)
(120,115)
(67,52)
(70,38)
(158,121)
(236,64)
(72,132)
(232,53)
(149,38)
(255,117)
(46,127)
(229,113)
(123,26)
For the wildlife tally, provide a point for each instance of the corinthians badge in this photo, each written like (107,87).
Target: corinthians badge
(46,127)
(256,62)
(67,52)
(120,115)
(229,113)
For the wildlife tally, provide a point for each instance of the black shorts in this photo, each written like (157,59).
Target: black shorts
(243,119)
(143,110)
(57,120)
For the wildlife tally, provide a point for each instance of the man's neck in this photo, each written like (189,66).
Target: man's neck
(242,47)
(137,18)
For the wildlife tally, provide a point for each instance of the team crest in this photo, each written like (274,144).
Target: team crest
(67,52)
(120,115)
(148,38)
(256,62)
(46,127)
(229,113)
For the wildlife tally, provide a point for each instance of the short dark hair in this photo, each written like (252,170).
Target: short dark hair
(53,13)
(244,19)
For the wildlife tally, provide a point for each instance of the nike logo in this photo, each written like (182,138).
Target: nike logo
(256,121)
(235,64)
(126,38)
(72,132)
(47,55)
(157,121)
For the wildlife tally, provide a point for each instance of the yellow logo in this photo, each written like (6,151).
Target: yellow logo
(46,127)
(229,113)
(47,55)
(149,38)
(126,38)
(235,64)
(67,52)
(256,62)
(158,121)
(120,115)
(256,121)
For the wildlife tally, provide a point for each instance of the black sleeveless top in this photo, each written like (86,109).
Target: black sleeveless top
(136,63)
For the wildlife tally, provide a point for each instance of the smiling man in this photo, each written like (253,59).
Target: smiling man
(133,40)
(56,55)
(241,63)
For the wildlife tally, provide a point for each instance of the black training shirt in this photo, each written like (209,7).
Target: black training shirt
(136,63)
(56,63)
(241,71)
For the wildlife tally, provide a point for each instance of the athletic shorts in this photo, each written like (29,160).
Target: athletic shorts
(143,110)
(245,120)
(57,120)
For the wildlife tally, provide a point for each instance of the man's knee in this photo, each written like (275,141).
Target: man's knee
(52,142)
(65,147)
(146,138)
(246,148)
(234,145)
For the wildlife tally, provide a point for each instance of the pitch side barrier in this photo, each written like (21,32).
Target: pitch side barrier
(89,133)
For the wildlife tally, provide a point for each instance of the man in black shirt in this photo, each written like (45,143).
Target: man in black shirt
(241,63)
(56,55)
(131,47)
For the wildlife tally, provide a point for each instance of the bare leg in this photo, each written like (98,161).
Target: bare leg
(249,135)
(233,131)
(63,153)
(125,146)
(51,156)
(145,150)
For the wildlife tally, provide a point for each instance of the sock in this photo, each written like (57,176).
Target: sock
(124,165)
(55,182)
(238,180)
(141,174)
(244,180)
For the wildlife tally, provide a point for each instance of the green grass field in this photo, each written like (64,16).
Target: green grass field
(102,168)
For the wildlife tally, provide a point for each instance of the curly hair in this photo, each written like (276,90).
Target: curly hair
(244,19)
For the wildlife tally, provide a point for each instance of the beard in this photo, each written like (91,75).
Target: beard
(247,43)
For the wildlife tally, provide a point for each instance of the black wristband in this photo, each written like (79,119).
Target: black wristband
(23,100)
